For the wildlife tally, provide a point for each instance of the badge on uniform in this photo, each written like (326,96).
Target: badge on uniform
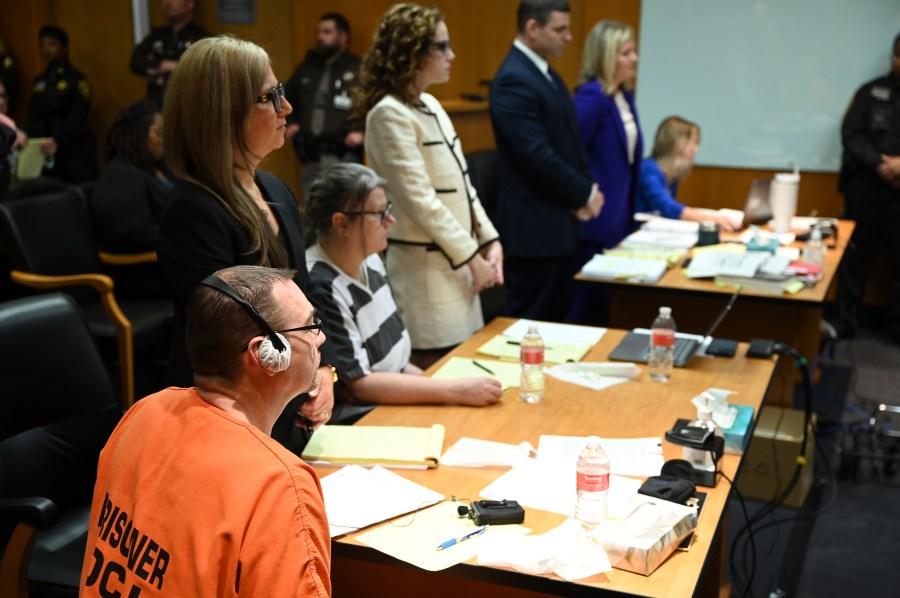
(62,85)
(85,89)
(881,93)
(342,102)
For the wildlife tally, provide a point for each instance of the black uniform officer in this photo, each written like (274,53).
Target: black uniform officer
(8,75)
(59,109)
(320,93)
(158,53)
(870,180)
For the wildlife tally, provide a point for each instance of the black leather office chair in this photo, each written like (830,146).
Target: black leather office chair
(484,175)
(58,411)
(51,246)
(483,172)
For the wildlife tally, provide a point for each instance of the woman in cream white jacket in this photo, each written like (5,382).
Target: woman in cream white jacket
(443,249)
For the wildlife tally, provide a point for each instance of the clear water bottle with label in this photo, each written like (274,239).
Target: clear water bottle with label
(531,357)
(592,484)
(814,251)
(662,346)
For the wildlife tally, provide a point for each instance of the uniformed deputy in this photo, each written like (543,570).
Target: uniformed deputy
(320,91)
(158,53)
(870,180)
(59,110)
(8,76)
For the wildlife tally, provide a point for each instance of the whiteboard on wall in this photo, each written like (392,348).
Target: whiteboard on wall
(768,81)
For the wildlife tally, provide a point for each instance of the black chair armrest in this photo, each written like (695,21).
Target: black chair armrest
(38,512)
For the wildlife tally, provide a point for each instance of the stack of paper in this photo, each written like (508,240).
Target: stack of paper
(670,225)
(625,268)
(681,240)
(392,446)
(708,264)
(356,497)
(670,255)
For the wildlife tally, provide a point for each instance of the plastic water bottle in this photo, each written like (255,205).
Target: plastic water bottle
(814,252)
(662,346)
(592,484)
(531,357)
(699,458)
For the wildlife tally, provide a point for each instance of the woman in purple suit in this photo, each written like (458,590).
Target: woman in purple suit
(611,135)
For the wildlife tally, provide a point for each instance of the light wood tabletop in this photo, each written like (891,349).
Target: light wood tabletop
(638,408)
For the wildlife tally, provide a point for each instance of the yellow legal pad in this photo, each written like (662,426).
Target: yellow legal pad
(465,367)
(508,348)
(389,446)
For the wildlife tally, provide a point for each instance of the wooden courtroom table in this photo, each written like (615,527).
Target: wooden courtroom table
(638,408)
(789,319)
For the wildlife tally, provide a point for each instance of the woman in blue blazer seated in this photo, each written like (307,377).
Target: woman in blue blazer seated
(611,135)
(676,144)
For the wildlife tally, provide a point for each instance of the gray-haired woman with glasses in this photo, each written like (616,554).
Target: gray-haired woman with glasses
(351,216)
(225,112)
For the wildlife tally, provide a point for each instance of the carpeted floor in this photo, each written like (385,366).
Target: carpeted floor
(846,540)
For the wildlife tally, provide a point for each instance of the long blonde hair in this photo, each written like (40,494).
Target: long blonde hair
(672,136)
(598,60)
(208,103)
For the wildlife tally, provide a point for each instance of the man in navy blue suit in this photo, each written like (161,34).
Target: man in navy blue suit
(547,186)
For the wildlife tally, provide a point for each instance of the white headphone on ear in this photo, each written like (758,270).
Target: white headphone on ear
(275,351)
(271,358)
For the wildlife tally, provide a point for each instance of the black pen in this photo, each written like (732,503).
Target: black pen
(483,367)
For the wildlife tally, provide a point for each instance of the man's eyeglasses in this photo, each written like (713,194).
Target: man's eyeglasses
(385,213)
(443,46)
(315,327)
(274,95)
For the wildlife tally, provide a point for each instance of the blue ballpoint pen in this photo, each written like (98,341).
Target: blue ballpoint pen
(453,541)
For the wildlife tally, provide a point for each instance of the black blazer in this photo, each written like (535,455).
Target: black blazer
(542,163)
(126,206)
(198,237)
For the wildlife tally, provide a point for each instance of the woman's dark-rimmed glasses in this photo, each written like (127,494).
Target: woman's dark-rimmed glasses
(274,95)
(443,46)
(385,213)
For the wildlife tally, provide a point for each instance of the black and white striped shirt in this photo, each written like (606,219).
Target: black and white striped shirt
(362,322)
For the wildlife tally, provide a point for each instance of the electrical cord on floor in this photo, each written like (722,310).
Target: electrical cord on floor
(770,507)
(734,572)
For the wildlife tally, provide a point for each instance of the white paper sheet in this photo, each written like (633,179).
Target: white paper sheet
(595,375)
(356,497)
(639,457)
(473,452)
(550,486)
(557,333)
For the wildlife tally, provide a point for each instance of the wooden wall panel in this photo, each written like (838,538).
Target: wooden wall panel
(19,28)
(481,32)
(727,188)
(102,52)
